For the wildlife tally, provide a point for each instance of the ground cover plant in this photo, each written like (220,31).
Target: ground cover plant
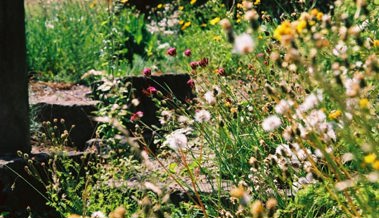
(284,122)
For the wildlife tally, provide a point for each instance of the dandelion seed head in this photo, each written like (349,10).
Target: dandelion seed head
(271,123)
(176,141)
(202,116)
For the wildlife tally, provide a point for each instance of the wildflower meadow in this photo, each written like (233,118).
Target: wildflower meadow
(282,119)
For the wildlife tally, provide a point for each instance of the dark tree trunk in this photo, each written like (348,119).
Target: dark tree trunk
(14,118)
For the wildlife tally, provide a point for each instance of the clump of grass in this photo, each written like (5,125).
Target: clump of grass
(66,39)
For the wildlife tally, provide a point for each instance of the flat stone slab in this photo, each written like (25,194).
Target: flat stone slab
(68,102)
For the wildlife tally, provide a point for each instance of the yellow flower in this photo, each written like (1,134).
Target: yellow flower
(181,22)
(181,8)
(185,25)
(302,24)
(239,5)
(319,15)
(193,2)
(314,12)
(124,1)
(257,2)
(283,29)
(233,110)
(237,192)
(335,114)
(376,43)
(375,165)
(215,21)
(217,38)
(370,158)
(311,23)
(159,6)
(363,103)
(238,21)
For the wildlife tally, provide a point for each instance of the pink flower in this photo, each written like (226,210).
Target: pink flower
(151,90)
(191,83)
(171,51)
(147,72)
(194,65)
(187,52)
(136,116)
(203,62)
(221,71)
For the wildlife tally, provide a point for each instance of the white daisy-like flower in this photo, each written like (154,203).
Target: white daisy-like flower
(271,123)
(202,116)
(243,44)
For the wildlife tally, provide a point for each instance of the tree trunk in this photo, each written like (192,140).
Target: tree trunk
(14,118)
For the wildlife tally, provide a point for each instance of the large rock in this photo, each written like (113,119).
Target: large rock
(57,101)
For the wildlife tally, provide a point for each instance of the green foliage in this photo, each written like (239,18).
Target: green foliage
(66,39)
(312,201)
(63,39)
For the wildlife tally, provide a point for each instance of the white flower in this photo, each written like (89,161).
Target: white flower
(202,116)
(183,120)
(243,44)
(163,46)
(303,154)
(347,157)
(310,102)
(209,97)
(319,153)
(176,141)
(135,102)
(98,214)
(352,86)
(340,49)
(165,116)
(283,150)
(271,123)
(314,118)
(303,131)
(283,106)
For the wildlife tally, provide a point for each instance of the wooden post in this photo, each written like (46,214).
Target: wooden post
(14,106)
